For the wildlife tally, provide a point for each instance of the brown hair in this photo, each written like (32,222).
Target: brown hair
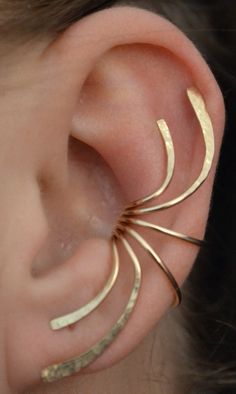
(24,19)
(208,315)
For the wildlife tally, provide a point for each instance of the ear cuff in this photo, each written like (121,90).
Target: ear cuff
(128,220)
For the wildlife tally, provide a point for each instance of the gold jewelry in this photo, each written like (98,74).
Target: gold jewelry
(128,219)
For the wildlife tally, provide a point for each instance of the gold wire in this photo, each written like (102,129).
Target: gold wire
(164,230)
(74,365)
(159,262)
(170,152)
(76,316)
(70,367)
(199,108)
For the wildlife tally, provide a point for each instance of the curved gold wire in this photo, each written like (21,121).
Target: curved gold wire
(70,367)
(73,366)
(159,262)
(166,231)
(76,316)
(170,152)
(199,108)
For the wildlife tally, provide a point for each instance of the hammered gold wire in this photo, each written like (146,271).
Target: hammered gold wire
(128,219)
(73,366)
(157,259)
(74,317)
(170,152)
(203,117)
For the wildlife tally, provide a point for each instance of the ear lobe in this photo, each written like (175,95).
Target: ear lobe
(63,289)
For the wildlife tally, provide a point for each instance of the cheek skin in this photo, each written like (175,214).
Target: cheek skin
(23,228)
(41,228)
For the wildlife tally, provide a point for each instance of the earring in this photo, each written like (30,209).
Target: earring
(125,226)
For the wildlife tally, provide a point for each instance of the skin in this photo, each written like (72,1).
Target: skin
(60,201)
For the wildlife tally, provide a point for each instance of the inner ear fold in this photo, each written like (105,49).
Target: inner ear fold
(130,88)
(88,207)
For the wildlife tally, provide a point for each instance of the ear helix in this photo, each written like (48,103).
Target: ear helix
(124,227)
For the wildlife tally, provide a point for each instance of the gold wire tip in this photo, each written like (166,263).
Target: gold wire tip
(128,220)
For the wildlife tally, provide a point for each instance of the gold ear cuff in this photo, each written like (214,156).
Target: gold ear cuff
(125,226)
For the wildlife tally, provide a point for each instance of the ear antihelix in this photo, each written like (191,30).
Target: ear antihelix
(127,221)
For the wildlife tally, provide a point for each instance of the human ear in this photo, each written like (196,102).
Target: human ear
(109,78)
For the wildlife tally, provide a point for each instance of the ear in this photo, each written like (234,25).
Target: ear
(108,79)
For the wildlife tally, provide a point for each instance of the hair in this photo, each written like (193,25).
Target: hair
(208,315)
